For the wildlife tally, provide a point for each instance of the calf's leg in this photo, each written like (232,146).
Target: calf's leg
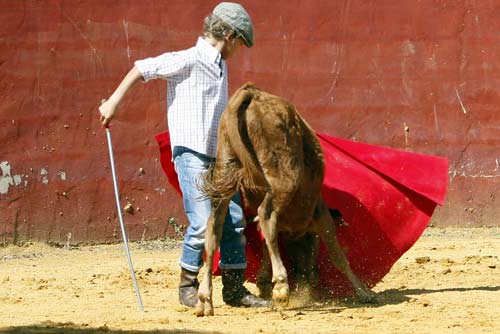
(213,236)
(303,255)
(268,224)
(325,227)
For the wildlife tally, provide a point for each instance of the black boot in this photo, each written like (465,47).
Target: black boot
(188,288)
(235,294)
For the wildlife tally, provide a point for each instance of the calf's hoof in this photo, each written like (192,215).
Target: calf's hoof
(367,296)
(281,293)
(204,309)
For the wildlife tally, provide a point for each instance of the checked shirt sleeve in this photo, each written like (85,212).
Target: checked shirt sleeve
(165,66)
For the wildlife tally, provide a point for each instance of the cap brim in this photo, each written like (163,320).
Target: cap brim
(245,40)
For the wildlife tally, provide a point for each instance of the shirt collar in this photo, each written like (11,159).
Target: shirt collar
(211,53)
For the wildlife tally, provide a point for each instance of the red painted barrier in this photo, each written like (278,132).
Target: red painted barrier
(418,76)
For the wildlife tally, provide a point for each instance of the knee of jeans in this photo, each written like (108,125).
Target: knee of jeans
(195,241)
(235,217)
(195,231)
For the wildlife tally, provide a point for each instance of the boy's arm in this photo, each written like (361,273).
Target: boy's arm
(108,108)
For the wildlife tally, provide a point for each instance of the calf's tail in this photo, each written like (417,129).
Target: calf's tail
(239,137)
(241,172)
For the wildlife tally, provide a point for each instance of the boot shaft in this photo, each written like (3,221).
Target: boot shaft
(234,292)
(188,278)
(188,288)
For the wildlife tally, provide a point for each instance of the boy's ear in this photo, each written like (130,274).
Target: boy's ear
(230,35)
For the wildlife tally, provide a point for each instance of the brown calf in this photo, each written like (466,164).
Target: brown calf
(269,153)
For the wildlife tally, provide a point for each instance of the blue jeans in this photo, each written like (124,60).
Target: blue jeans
(190,166)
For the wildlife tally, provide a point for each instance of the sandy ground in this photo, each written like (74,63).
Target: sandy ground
(449,282)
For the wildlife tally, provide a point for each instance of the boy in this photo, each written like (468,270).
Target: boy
(196,97)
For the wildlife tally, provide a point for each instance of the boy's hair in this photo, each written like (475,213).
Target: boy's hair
(214,26)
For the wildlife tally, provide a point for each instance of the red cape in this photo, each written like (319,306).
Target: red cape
(386,196)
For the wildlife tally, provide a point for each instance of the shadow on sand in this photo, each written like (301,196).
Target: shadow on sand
(70,328)
(387,297)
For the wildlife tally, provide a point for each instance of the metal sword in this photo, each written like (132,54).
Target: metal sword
(122,225)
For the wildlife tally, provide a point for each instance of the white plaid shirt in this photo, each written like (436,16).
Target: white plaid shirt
(197,93)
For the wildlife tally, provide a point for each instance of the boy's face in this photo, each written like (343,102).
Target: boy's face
(230,47)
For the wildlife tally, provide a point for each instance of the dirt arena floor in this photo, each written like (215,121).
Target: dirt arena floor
(449,282)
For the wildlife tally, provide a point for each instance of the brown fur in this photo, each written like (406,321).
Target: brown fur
(272,155)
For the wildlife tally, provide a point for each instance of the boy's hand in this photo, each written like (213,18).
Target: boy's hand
(107,111)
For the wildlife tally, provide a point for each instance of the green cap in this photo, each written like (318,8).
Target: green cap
(237,17)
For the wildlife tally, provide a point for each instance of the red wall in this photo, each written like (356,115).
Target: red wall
(361,70)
